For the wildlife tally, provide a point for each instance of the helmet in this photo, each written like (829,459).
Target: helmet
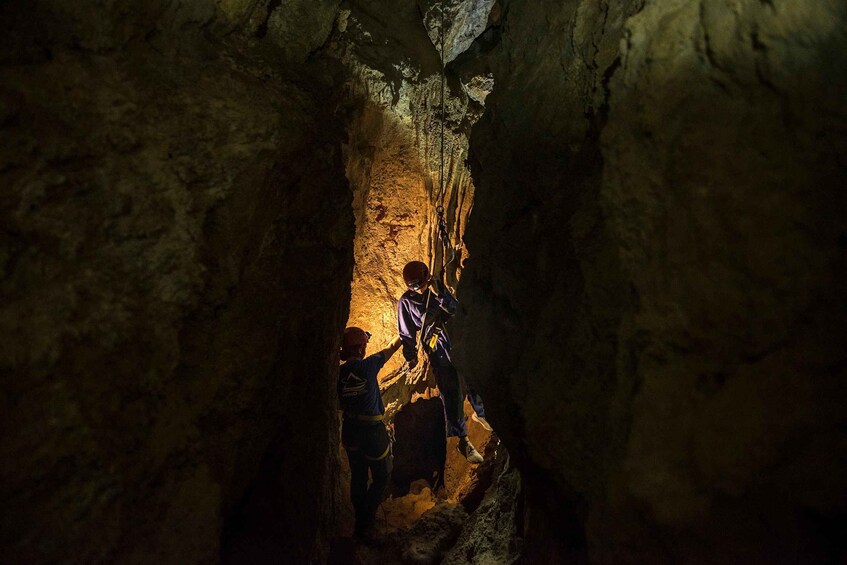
(416,275)
(353,339)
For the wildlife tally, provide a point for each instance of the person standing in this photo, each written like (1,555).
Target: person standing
(363,431)
(424,309)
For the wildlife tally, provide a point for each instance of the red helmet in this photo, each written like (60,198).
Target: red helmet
(353,339)
(416,275)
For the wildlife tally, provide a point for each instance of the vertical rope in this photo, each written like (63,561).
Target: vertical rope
(441,225)
(443,111)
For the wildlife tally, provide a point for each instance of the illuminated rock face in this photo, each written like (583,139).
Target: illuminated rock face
(394,155)
(392,219)
(654,305)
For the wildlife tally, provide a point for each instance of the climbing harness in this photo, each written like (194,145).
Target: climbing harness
(364,417)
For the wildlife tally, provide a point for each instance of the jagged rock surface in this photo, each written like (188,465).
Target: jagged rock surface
(168,329)
(437,530)
(490,536)
(653,306)
(463,21)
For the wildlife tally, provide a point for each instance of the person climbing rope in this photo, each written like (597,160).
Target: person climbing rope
(424,309)
(363,433)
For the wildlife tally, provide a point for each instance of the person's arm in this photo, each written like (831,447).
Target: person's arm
(408,331)
(392,348)
(443,297)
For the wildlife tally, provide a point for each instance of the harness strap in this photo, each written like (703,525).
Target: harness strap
(364,417)
(381,457)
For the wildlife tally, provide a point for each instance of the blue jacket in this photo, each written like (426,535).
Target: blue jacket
(358,387)
(410,318)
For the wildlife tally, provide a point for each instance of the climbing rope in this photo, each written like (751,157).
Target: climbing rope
(440,200)
(443,235)
(441,223)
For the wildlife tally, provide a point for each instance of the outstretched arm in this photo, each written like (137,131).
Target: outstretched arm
(392,348)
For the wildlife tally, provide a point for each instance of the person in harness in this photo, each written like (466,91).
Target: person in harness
(425,308)
(363,432)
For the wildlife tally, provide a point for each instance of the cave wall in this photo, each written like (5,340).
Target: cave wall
(652,308)
(175,264)
(392,220)
(391,100)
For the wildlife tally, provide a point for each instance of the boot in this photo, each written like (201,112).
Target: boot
(467,449)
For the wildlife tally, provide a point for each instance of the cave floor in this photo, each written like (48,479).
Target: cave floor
(422,525)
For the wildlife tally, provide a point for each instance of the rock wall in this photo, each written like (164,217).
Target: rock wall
(175,267)
(392,100)
(653,305)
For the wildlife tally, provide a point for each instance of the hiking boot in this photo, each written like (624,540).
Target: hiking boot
(467,449)
(482,422)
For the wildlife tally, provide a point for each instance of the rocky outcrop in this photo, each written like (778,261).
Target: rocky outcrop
(455,23)
(175,269)
(652,304)
(491,534)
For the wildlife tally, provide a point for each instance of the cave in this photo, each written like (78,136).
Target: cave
(643,211)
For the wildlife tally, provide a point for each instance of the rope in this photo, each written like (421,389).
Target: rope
(442,224)
(443,112)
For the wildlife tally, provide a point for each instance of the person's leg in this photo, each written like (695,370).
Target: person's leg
(358,469)
(478,415)
(476,402)
(358,486)
(380,475)
(450,392)
(377,453)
